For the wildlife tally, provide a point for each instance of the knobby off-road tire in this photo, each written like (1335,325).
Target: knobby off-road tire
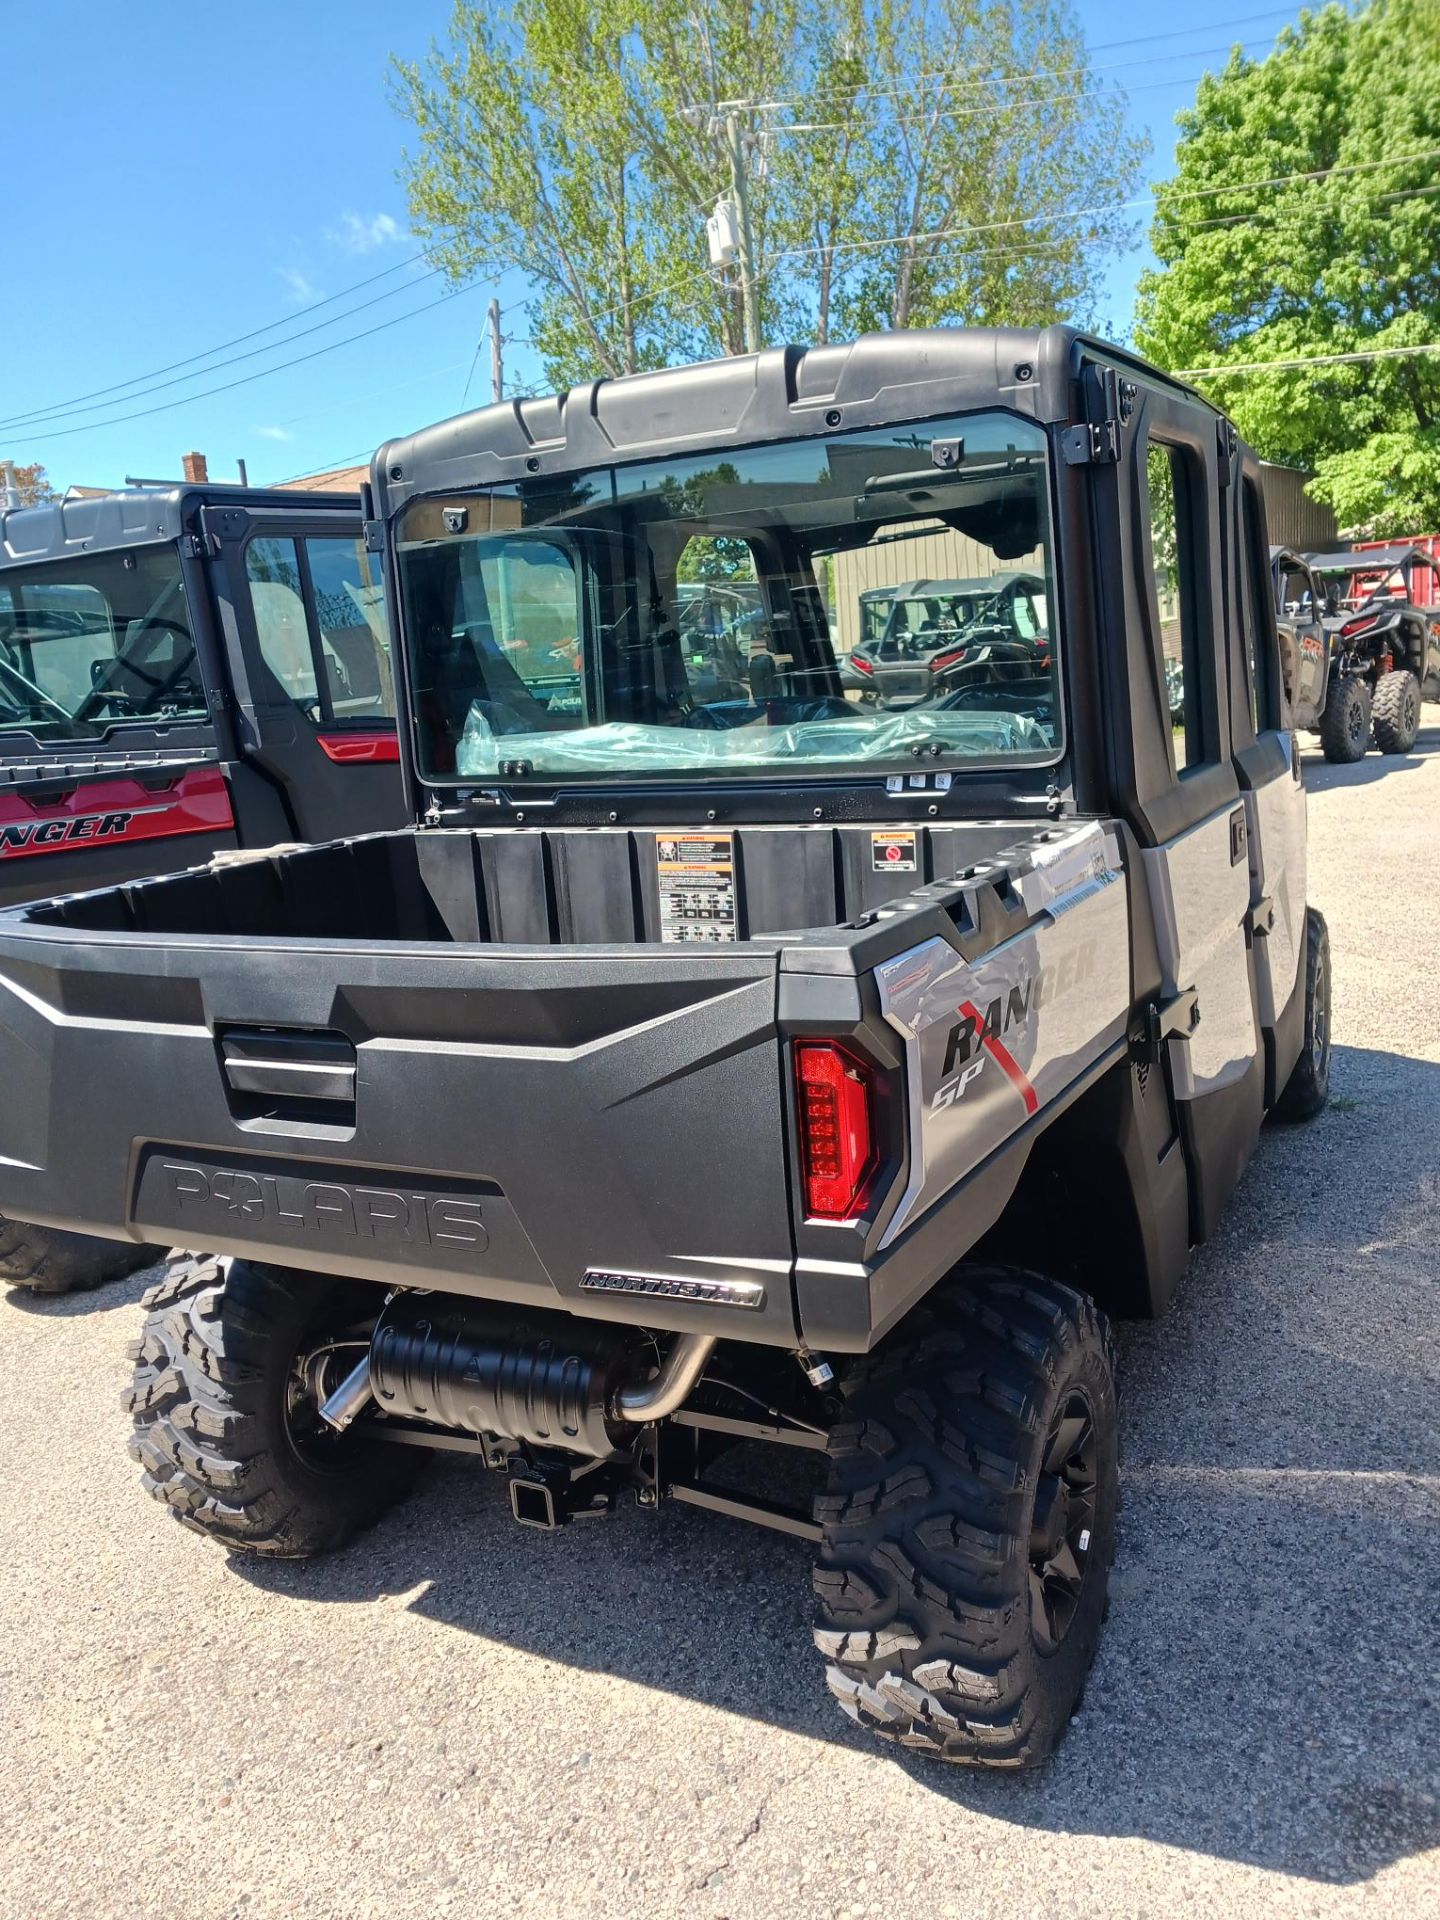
(49,1260)
(1345,723)
(969,1523)
(226,1429)
(1396,712)
(1308,1088)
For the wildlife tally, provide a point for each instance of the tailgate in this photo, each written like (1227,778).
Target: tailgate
(501,1122)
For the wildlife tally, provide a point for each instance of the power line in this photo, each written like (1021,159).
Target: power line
(1307,360)
(907,84)
(61,406)
(330,466)
(23,421)
(168,406)
(966,114)
(1124,206)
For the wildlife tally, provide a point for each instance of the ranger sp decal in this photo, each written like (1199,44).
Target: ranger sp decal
(989,1043)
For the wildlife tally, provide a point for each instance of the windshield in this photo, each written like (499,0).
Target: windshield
(91,642)
(807,606)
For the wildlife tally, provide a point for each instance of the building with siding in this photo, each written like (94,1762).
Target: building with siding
(1294,519)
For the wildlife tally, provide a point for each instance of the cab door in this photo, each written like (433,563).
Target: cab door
(1267,763)
(304,613)
(1304,647)
(1183,793)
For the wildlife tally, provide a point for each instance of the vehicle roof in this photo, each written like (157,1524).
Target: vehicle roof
(746,400)
(136,517)
(1367,560)
(918,589)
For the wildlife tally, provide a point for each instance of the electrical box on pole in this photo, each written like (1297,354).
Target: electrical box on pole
(722,230)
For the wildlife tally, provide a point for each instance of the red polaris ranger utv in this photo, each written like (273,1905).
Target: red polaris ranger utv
(183,672)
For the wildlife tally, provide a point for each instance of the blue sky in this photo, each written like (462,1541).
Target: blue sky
(175,177)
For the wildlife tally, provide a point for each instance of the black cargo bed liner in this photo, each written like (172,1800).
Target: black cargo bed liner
(578,886)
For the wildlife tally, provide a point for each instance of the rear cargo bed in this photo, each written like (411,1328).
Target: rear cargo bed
(467,1060)
(579,886)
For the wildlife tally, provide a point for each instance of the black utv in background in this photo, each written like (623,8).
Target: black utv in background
(929,638)
(1383,628)
(184,672)
(713,1061)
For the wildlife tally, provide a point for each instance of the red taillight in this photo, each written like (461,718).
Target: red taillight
(860,663)
(1358,626)
(837,1139)
(951,659)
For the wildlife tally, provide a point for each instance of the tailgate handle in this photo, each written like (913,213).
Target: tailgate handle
(279,1063)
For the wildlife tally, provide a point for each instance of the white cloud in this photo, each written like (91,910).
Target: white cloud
(355,234)
(274,433)
(300,286)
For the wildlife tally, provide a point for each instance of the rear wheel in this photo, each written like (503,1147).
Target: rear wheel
(1397,712)
(1308,1087)
(49,1260)
(230,1369)
(969,1524)
(1345,723)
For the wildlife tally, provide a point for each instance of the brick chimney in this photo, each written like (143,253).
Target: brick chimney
(195,468)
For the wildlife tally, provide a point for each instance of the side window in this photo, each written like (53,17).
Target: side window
(277,596)
(350,615)
(1295,596)
(1262,656)
(720,614)
(1176,555)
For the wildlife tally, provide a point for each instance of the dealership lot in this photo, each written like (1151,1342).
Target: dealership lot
(455,1716)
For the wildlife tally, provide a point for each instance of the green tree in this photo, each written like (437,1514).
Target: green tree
(1303,221)
(909,162)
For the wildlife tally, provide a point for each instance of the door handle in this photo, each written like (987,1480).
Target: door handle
(288,1068)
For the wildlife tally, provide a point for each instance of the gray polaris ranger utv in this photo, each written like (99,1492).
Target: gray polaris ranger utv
(980,1006)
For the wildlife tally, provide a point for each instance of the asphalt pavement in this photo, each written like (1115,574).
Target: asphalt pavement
(455,1716)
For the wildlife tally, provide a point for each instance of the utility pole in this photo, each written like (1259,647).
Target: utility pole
(9,492)
(497,363)
(745,254)
(732,239)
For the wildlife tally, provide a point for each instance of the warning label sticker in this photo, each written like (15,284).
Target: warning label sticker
(696,872)
(892,852)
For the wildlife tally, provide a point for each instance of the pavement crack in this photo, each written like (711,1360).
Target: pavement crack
(705,1882)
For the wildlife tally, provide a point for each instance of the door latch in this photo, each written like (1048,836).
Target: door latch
(1176,1019)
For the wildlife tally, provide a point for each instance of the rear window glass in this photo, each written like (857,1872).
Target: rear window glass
(90,643)
(871,598)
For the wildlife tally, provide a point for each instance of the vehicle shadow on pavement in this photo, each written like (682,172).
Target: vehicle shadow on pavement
(1323,776)
(1268,1686)
(124,1292)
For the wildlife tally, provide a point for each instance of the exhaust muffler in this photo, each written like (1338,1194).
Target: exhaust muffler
(543,1381)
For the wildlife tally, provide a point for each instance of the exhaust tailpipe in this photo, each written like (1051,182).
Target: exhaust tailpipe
(350,1399)
(672,1386)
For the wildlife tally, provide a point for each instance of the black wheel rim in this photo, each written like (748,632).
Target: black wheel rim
(1063,1527)
(1358,722)
(312,1377)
